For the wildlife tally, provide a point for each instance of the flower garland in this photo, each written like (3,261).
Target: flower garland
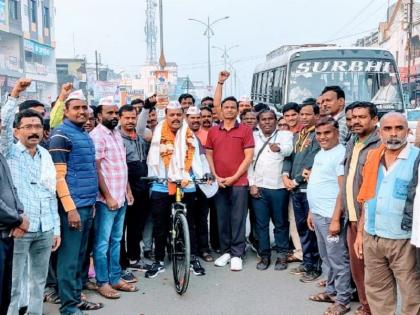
(167,141)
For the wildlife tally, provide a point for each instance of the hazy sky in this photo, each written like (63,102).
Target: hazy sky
(116,30)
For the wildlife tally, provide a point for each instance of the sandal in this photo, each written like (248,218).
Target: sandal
(125,286)
(108,292)
(322,283)
(322,298)
(52,297)
(90,285)
(90,306)
(337,309)
(207,257)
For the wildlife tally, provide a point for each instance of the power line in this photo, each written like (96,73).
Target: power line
(351,35)
(354,18)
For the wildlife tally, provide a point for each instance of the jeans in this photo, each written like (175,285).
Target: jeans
(273,204)
(135,220)
(109,226)
(232,207)
(70,259)
(6,262)
(200,220)
(214,229)
(335,257)
(311,259)
(160,205)
(38,246)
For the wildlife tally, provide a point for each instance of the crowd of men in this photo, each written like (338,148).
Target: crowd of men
(338,184)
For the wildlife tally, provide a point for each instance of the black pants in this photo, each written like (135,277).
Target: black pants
(135,219)
(232,208)
(199,217)
(311,258)
(252,237)
(160,205)
(214,229)
(6,263)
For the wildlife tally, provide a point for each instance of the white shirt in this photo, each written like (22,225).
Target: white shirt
(386,94)
(267,172)
(323,186)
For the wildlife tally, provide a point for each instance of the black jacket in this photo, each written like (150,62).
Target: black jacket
(10,206)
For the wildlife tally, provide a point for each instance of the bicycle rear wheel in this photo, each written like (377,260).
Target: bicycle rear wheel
(181,253)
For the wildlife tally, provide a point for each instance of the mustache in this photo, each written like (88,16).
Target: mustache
(176,121)
(395,141)
(34,136)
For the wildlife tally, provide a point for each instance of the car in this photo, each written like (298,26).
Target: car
(413,116)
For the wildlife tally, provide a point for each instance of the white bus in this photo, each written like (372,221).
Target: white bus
(294,73)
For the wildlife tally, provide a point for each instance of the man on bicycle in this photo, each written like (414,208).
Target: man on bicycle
(171,156)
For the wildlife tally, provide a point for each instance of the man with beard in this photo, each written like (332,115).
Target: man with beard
(197,218)
(206,124)
(164,161)
(364,117)
(390,259)
(73,154)
(135,218)
(114,194)
(34,176)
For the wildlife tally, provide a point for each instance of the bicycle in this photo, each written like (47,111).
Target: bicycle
(179,234)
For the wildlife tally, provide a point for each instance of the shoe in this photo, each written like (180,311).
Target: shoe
(299,270)
(51,296)
(207,257)
(292,258)
(128,276)
(139,265)
(236,264)
(196,267)
(281,263)
(23,310)
(310,276)
(222,260)
(148,254)
(263,264)
(157,267)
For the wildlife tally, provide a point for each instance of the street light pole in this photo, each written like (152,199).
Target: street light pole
(209,33)
(225,57)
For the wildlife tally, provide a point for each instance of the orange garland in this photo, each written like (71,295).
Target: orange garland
(167,142)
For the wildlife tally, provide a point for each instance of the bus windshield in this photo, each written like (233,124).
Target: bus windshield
(373,80)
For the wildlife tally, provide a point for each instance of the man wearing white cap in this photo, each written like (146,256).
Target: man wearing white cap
(73,153)
(115,194)
(199,216)
(172,155)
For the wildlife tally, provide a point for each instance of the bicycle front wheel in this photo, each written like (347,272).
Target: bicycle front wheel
(181,251)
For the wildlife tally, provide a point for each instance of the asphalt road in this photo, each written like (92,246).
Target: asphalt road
(219,292)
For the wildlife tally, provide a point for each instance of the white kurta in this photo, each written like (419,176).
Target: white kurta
(415,234)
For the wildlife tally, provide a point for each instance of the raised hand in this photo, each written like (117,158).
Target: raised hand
(223,76)
(66,89)
(20,86)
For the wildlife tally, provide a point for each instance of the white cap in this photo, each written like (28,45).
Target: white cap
(174,105)
(244,98)
(193,110)
(76,95)
(107,101)
(90,110)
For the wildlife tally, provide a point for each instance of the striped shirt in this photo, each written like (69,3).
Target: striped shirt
(39,203)
(110,152)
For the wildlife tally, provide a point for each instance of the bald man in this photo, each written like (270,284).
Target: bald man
(390,259)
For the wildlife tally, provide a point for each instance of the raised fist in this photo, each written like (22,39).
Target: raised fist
(223,76)
(66,89)
(20,86)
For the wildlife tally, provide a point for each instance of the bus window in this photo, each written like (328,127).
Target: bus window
(259,85)
(373,80)
(264,84)
(254,85)
(270,81)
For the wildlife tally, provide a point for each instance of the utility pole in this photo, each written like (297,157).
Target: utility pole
(162,60)
(410,35)
(97,65)
(209,33)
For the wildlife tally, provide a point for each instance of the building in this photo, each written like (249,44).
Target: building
(27,47)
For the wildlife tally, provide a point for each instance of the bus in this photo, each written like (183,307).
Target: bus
(293,73)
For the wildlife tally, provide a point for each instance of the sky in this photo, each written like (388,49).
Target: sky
(116,30)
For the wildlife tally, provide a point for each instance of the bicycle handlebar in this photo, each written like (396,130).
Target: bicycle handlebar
(156,179)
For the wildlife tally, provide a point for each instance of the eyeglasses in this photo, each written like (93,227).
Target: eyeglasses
(32,127)
(283,125)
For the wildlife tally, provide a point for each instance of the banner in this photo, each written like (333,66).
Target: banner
(162,87)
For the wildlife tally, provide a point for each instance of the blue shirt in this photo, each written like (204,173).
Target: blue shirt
(323,188)
(39,203)
(383,213)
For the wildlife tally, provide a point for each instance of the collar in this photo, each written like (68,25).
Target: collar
(405,152)
(132,136)
(264,136)
(104,129)
(22,148)
(309,130)
(222,125)
(340,115)
(72,124)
